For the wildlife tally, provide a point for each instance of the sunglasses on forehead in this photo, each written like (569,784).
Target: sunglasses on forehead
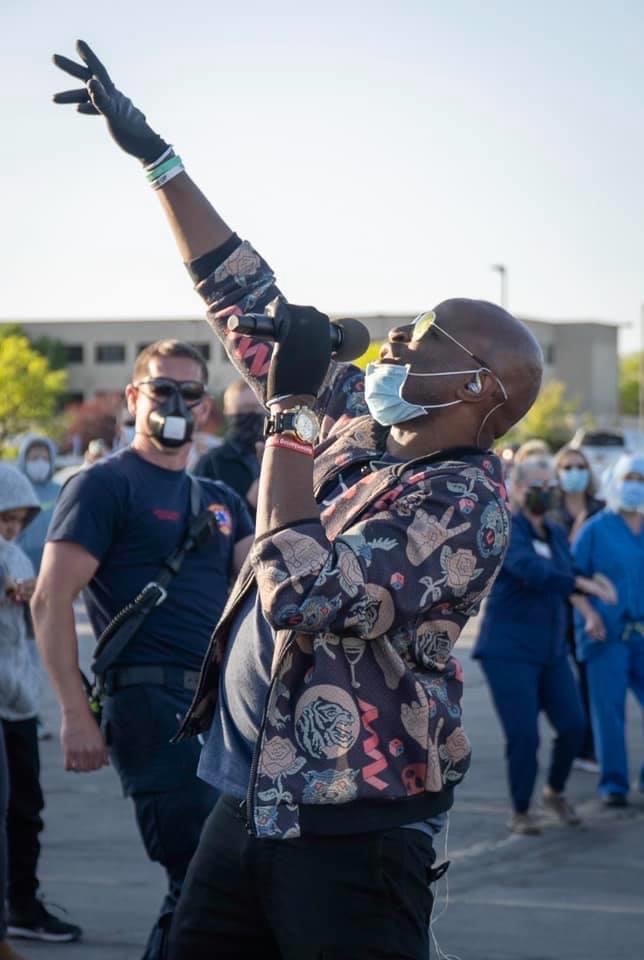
(162,388)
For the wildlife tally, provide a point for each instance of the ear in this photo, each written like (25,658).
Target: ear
(474,390)
(202,411)
(130,399)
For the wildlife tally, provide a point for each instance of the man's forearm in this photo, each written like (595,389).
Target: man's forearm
(58,644)
(195,224)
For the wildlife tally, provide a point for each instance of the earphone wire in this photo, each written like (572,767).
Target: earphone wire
(440,953)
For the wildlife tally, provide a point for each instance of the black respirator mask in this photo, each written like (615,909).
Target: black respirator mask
(171,423)
(246,429)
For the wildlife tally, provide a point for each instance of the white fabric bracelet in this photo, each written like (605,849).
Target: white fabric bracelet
(166,177)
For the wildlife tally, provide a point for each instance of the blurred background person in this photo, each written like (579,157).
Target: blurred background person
(576,504)
(19,698)
(612,544)
(37,460)
(522,646)
(235,461)
(531,448)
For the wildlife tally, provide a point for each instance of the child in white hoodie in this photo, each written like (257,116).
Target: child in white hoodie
(19,701)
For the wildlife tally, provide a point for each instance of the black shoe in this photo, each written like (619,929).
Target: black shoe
(615,800)
(34,922)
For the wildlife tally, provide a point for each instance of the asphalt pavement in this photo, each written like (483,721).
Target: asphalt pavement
(570,894)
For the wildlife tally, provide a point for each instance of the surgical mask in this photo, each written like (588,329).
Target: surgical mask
(383,387)
(171,423)
(246,429)
(38,470)
(539,500)
(574,479)
(384,382)
(630,494)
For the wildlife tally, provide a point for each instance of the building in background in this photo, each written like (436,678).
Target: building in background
(101,353)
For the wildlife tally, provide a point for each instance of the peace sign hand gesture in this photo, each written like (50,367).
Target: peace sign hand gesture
(99,96)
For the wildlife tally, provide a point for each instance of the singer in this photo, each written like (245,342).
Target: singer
(329,700)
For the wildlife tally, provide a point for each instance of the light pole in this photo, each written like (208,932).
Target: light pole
(640,386)
(503,277)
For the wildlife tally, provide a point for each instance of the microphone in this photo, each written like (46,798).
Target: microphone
(349,338)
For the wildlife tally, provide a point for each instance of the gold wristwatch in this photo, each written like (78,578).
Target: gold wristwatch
(300,422)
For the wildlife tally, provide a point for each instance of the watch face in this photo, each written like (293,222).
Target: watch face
(306,426)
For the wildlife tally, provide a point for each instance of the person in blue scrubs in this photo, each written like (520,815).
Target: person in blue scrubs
(522,645)
(612,543)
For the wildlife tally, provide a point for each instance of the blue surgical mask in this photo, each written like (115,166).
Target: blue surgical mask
(574,480)
(630,494)
(383,387)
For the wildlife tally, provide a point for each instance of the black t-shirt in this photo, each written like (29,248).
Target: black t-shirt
(131,515)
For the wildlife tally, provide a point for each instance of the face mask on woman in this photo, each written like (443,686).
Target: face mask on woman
(574,479)
(538,500)
(630,494)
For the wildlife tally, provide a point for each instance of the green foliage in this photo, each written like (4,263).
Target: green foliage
(30,388)
(550,418)
(54,351)
(369,356)
(629,384)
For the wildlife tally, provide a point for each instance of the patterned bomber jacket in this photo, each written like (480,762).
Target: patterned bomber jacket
(366,605)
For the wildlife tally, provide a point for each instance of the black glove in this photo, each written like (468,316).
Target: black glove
(127,125)
(303,351)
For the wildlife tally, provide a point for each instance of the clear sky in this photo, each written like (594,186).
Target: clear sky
(381,156)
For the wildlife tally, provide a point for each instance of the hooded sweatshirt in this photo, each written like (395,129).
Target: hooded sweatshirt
(32,539)
(19,667)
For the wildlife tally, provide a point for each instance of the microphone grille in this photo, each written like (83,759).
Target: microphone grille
(355,339)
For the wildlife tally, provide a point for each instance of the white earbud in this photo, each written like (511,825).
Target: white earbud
(474,386)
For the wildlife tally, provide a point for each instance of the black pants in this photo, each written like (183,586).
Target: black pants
(170,802)
(358,897)
(26,803)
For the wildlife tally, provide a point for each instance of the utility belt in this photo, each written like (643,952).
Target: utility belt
(117,678)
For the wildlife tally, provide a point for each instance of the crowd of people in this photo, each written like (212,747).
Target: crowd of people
(273,679)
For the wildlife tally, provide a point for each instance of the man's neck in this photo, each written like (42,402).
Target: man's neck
(407,443)
(168,459)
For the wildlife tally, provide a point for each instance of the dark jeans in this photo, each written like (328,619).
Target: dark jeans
(520,691)
(170,802)
(357,897)
(26,803)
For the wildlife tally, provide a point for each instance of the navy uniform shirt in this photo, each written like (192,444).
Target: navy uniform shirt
(131,515)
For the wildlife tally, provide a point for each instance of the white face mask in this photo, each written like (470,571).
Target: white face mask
(38,470)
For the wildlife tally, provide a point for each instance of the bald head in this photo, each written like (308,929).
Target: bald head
(502,343)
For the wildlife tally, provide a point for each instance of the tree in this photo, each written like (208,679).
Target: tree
(370,355)
(629,384)
(30,388)
(549,418)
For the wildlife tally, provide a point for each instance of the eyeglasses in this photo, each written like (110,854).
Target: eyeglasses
(162,388)
(427,321)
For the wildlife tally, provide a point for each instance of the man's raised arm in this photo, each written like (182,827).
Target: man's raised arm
(229,275)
